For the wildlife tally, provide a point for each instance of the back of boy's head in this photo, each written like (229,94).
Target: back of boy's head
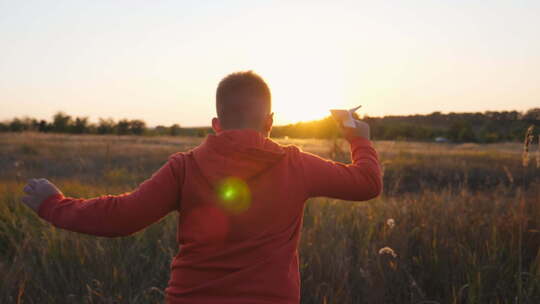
(243,100)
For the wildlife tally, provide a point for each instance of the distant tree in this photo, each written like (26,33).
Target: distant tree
(461,131)
(161,130)
(174,130)
(25,124)
(137,127)
(123,127)
(201,132)
(532,114)
(31,124)
(43,126)
(61,122)
(466,134)
(16,125)
(4,127)
(80,125)
(106,126)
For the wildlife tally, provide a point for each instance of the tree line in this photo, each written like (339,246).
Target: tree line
(64,123)
(486,127)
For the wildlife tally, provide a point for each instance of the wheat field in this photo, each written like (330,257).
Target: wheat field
(455,224)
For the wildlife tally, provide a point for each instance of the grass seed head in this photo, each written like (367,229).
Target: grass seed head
(388,250)
(390,223)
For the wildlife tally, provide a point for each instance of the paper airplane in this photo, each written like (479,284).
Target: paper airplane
(345,116)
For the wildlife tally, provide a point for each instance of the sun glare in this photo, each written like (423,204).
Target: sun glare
(306,81)
(305,96)
(306,100)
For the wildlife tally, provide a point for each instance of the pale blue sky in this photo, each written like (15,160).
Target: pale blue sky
(160,61)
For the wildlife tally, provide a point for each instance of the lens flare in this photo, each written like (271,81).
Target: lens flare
(234,195)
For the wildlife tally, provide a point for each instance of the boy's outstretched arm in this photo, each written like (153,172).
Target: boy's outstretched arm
(110,215)
(359,181)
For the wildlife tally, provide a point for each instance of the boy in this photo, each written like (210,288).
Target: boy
(239,197)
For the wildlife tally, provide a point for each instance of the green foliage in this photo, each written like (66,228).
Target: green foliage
(80,125)
(174,130)
(106,126)
(61,123)
(461,131)
(122,127)
(456,127)
(43,126)
(16,125)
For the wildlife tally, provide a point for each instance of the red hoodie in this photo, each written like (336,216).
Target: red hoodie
(237,251)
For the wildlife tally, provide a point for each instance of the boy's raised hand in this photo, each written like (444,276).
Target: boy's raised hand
(37,190)
(362,129)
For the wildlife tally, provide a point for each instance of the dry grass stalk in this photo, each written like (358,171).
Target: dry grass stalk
(508,174)
(526,143)
(538,153)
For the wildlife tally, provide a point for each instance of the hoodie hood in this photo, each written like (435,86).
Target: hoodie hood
(240,153)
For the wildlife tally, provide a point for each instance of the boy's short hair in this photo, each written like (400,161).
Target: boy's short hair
(243,100)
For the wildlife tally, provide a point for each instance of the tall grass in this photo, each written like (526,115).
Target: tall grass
(443,232)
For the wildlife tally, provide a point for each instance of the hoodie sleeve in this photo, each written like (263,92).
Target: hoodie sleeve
(119,215)
(358,181)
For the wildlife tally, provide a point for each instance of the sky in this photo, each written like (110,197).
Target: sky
(161,61)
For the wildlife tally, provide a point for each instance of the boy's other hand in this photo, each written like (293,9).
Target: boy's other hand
(37,190)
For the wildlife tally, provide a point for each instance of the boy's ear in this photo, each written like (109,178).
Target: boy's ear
(269,123)
(216,125)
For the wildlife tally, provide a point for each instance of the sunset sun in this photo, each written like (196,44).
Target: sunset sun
(308,95)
